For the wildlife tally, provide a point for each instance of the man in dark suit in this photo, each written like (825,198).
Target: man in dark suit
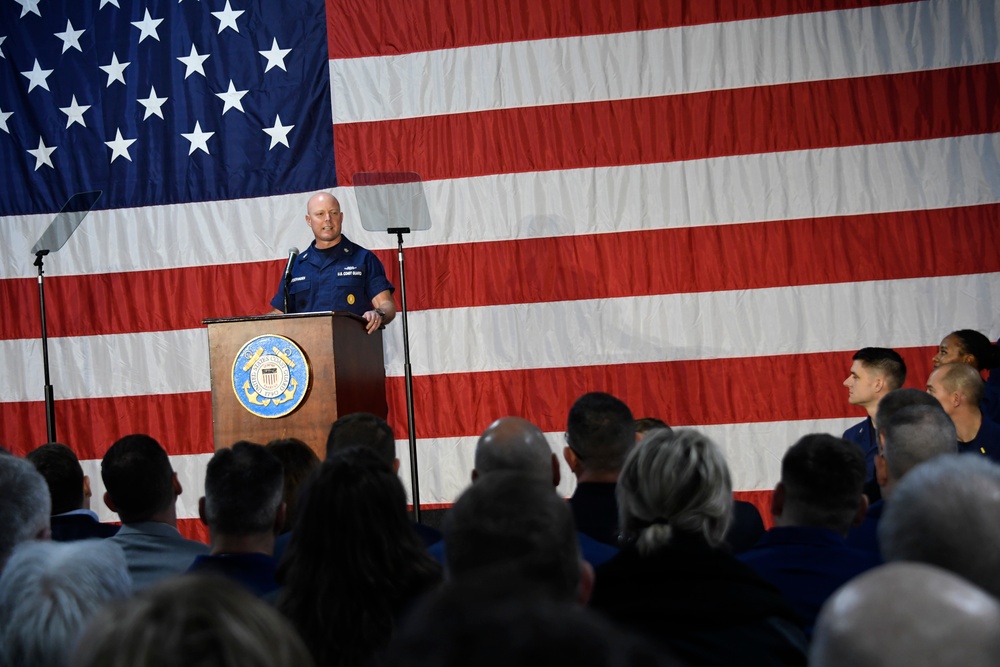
(72,518)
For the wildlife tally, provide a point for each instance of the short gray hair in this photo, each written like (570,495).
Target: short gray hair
(49,591)
(25,504)
(915,434)
(674,481)
(945,514)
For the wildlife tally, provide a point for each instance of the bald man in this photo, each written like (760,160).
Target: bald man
(960,389)
(335,274)
(908,614)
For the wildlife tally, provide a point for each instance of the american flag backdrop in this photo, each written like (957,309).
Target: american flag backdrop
(703,208)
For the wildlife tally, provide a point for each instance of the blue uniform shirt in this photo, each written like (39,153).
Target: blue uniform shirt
(987,440)
(864,436)
(345,277)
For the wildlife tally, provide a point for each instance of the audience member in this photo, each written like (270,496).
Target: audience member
(460,626)
(512,528)
(298,461)
(72,518)
(516,445)
(362,429)
(142,488)
(875,371)
(945,514)
(354,563)
(644,425)
(193,621)
(25,505)
(49,591)
(816,502)
(973,348)
(600,431)
(907,614)
(912,429)
(243,510)
(674,581)
(959,388)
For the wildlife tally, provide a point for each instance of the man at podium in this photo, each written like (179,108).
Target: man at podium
(334,273)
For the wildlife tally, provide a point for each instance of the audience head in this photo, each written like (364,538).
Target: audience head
(362,429)
(875,371)
(243,491)
(600,431)
(512,443)
(897,399)
(463,625)
(139,480)
(298,461)
(968,347)
(48,592)
(945,514)
(513,528)
(200,620)
(25,505)
(674,482)
(822,480)
(644,425)
(907,614)
(61,469)
(958,387)
(913,435)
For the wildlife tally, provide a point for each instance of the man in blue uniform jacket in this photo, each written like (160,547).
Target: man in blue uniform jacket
(334,273)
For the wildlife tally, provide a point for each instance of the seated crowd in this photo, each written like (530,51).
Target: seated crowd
(884,550)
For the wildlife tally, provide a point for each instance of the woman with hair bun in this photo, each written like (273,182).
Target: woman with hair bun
(674,580)
(973,348)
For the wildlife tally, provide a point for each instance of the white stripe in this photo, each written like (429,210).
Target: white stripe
(802,47)
(772,186)
(708,325)
(753,452)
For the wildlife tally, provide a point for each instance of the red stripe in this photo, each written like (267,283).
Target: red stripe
(711,391)
(193,529)
(839,249)
(744,121)
(361,28)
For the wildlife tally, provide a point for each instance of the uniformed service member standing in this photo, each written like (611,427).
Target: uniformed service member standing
(335,273)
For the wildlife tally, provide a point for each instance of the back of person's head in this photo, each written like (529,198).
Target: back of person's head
(644,425)
(243,490)
(298,461)
(62,472)
(600,430)
(514,528)
(945,513)
(194,620)
(512,443)
(462,625)
(884,361)
(985,354)
(362,429)
(49,591)
(897,399)
(138,477)
(674,481)
(915,434)
(25,505)
(353,548)
(822,478)
(907,614)
(962,379)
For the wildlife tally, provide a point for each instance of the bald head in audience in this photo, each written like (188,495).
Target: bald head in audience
(945,514)
(515,444)
(908,614)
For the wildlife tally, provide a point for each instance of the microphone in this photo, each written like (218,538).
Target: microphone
(292,254)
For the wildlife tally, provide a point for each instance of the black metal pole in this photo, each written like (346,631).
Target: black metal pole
(50,404)
(408,372)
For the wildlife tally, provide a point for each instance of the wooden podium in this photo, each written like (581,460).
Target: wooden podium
(346,374)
